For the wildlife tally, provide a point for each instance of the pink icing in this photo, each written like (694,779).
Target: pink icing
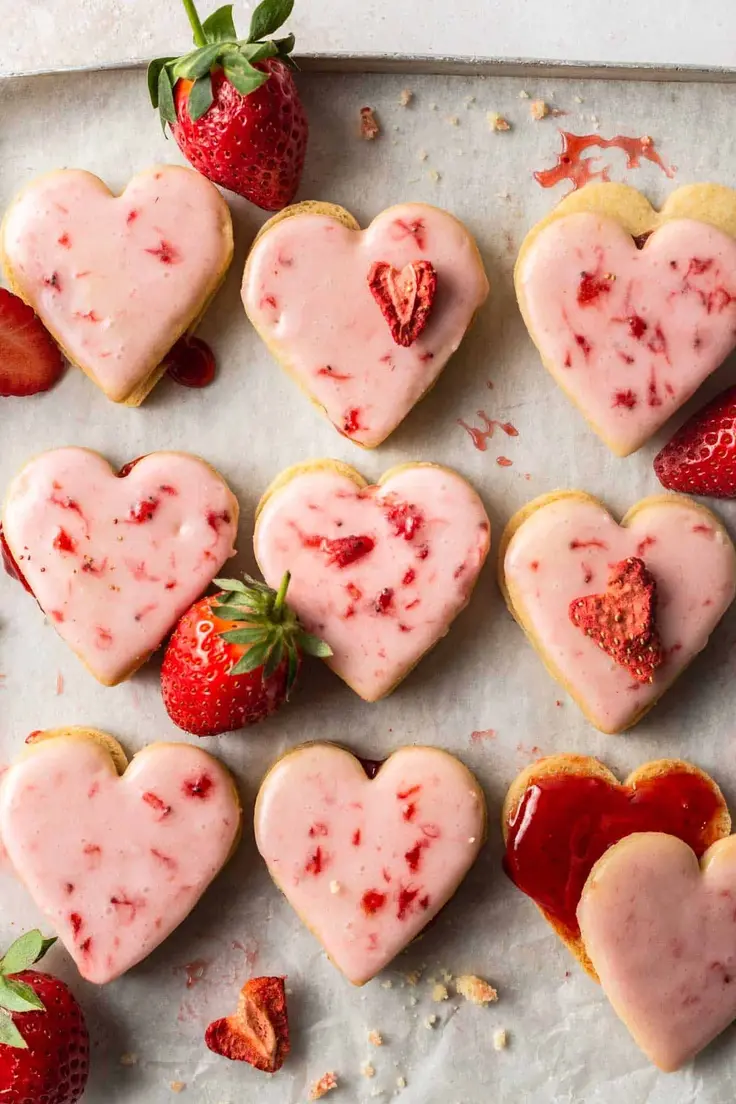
(661,936)
(113,562)
(565,549)
(378,572)
(630,333)
(367,864)
(117,279)
(116,863)
(306,291)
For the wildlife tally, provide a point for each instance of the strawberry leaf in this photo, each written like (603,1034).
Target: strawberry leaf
(230,585)
(292,670)
(153,73)
(258,51)
(219,27)
(9,1033)
(198,63)
(200,98)
(23,953)
(166,106)
(312,645)
(244,636)
(254,658)
(16,996)
(268,17)
(274,658)
(284,47)
(243,76)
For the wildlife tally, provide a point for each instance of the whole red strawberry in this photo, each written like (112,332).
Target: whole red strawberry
(233,106)
(30,360)
(701,457)
(44,1045)
(233,658)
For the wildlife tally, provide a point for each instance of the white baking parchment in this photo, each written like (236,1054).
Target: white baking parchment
(482,693)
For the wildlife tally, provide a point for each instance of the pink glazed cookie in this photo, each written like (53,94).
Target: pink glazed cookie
(630,308)
(117,280)
(114,559)
(363,320)
(116,858)
(661,933)
(379,572)
(563,546)
(367,859)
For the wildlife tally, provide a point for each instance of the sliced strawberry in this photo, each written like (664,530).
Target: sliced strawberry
(622,621)
(701,457)
(30,360)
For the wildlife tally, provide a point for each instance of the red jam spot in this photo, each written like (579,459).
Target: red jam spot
(68,888)
(92,849)
(156,803)
(637,326)
(594,543)
(191,363)
(356,834)
(76,922)
(165,859)
(355,592)
(57,615)
(409,577)
(104,638)
(65,240)
(424,902)
(315,863)
(86,946)
(132,215)
(414,229)
(91,567)
(568,360)
(268,301)
(642,546)
(87,316)
(584,344)
(53,281)
(63,542)
(563,824)
(405,519)
(697,267)
(215,520)
(166,253)
(404,794)
(384,600)
(65,503)
(534,565)
(199,786)
(422,551)
(318,829)
(351,422)
(127,903)
(410,811)
(503,461)
(626,399)
(371,766)
(372,901)
(483,734)
(414,856)
(591,287)
(342,551)
(127,468)
(405,901)
(480,435)
(330,372)
(625,357)
(579,170)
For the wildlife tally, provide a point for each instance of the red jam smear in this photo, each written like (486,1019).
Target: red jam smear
(371,766)
(191,363)
(9,562)
(579,170)
(564,823)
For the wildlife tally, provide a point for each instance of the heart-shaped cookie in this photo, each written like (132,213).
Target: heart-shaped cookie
(630,308)
(564,811)
(564,546)
(379,572)
(363,320)
(116,858)
(368,861)
(112,559)
(118,279)
(661,933)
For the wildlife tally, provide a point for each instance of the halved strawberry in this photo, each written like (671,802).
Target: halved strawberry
(701,457)
(30,360)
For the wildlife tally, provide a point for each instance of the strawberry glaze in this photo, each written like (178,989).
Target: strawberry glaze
(579,170)
(317,310)
(114,562)
(391,851)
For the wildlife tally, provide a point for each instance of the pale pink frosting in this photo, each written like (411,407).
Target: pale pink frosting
(116,863)
(306,290)
(367,864)
(427,537)
(630,333)
(662,938)
(117,279)
(113,562)
(566,549)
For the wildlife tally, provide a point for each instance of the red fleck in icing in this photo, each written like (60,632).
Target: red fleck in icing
(409,577)
(315,863)
(191,363)
(410,228)
(165,252)
(372,901)
(216,519)
(87,316)
(503,461)
(63,542)
(342,551)
(706,529)
(653,397)
(65,503)
(405,519)
(534,565)
(579,170)
(318,829)
(594,542)
(132,215)
(568,360)
(92,849)
(424,902)
(123,902)
(351,422)
(328,371)
(384,600)
(68,888)
(414,855)
(404,794)
(627,399)
(86,947)
(405,900)
(587,573)
(410,811)
(355,840)
(65,241)
(91,567)
(199,786)
(591,287)
(103,638)
(76,922)
(53,281)
(57,615)
(584,344)
(156,803)
(646,542)
(168,862)
(697,267)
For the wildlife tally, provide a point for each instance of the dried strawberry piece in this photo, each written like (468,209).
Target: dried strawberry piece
(405,297)
(622,621)
(258,1032)
(343,551)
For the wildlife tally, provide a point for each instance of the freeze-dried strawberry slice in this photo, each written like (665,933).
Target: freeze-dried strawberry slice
(622,621)
(258,1033)
(405,297)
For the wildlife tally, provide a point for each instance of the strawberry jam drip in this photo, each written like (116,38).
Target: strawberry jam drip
(191,363)
(371,766)
(564,823)
(9,562)
(579,170)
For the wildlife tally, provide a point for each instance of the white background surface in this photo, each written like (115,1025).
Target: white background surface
(38,34)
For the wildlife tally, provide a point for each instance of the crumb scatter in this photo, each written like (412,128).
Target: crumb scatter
(475,989)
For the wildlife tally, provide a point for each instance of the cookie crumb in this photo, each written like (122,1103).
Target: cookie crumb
(453,120)
(578,99)
(430,1021)
(500,1039)
(412,977)
(387,984)
(475,990)
(538,109)
(412,1001)
(177,1086)
(497,122)
(439,992)
(467,101)
(434,175)
(423,155)
(369,127)
(523,95)
(367,1070)
(433,107)
(375,1038)
(326,1083)
(128,1059)
(446,975)
(406,97)
(400,1082)
(335,887)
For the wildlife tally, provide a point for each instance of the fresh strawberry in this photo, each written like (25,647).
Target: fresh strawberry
(233,658)
(30,360)
(44,1045)
(233,106)
(701,457)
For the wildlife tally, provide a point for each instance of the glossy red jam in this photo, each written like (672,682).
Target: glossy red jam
(371,766)
(563,825)
(9,563)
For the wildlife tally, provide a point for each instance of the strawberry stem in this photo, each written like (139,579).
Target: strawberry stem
(200,38)
(281,595)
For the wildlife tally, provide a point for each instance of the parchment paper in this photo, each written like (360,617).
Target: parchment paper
(565,1043)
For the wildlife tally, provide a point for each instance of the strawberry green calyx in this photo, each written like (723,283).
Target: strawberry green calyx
(15,995)
(272,630)
(218,46)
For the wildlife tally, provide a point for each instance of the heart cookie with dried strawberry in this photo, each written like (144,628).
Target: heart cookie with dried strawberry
(616,611)
(363,320)
(629,307)
(368,855)
(377,572)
